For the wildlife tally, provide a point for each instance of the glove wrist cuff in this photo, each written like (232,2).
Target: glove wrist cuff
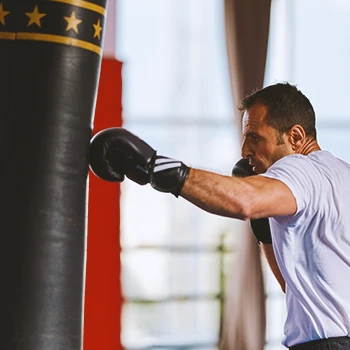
(168,175)
(183,175)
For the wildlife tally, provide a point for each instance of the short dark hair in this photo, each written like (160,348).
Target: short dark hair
(286,106)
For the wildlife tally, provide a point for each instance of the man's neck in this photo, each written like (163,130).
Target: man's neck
(309,147)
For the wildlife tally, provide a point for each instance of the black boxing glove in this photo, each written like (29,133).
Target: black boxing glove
(243,169)
(260,227)
(116,152)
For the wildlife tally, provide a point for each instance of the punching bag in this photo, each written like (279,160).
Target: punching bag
(50,56)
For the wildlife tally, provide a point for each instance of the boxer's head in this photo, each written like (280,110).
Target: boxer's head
(277,120)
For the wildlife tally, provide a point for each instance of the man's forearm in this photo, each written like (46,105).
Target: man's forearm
(252,197)
(271,259)
(215,193)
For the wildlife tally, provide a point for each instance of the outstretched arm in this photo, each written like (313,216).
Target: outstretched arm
(241,198)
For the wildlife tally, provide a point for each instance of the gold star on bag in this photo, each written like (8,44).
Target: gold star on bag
(3,14)
(35,17)
(73,22)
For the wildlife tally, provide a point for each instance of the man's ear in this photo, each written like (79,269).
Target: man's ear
(296,136)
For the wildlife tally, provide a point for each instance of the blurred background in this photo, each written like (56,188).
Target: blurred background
(176,260)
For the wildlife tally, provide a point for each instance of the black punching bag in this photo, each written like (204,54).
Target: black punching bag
(50,55)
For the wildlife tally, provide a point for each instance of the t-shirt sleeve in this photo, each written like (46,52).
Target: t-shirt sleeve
(295,172)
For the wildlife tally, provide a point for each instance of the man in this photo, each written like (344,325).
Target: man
(303,190)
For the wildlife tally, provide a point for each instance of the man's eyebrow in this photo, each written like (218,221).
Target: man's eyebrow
(251,133)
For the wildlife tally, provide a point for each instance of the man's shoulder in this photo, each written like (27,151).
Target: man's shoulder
(291,160)
(322,164)
(313,158)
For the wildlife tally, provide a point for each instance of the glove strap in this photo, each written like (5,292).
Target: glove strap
(168,175)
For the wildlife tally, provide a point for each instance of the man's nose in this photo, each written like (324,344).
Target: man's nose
(246,151)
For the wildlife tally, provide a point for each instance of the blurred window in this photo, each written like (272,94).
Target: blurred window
(176,96)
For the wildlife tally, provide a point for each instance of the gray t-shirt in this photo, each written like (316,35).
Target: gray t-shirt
(312,247)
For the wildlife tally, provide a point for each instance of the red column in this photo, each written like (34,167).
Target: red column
(103,298)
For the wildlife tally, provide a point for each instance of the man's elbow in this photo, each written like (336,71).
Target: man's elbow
(241,214)
(245,211)
(240,207)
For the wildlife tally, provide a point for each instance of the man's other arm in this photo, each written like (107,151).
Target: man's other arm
(271,260)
